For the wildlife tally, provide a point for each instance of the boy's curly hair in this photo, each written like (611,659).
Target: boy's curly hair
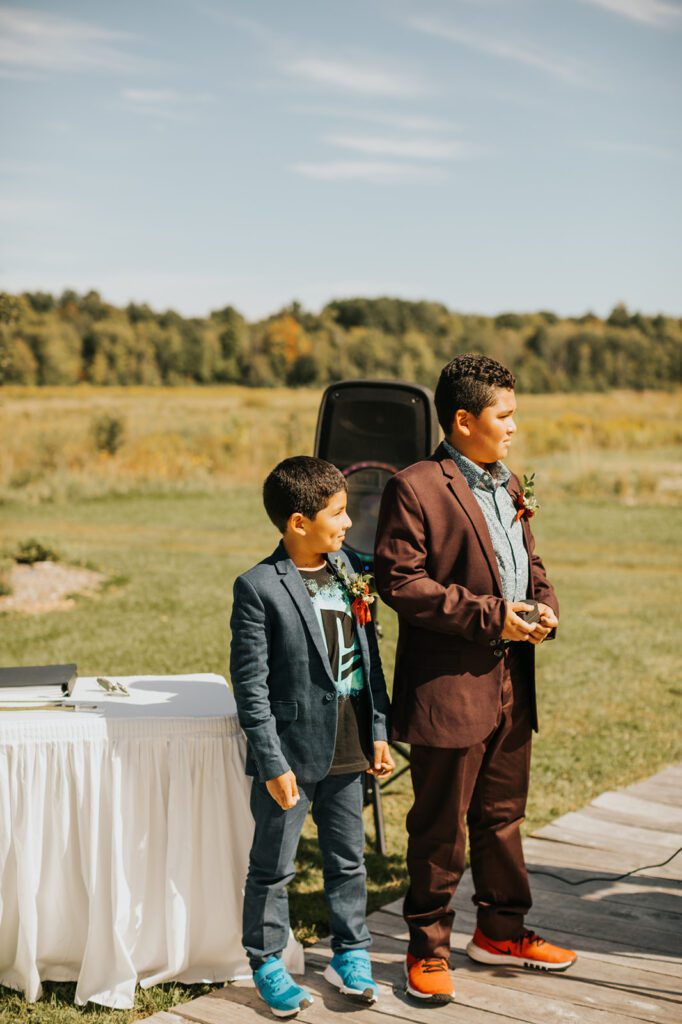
(300,484)
(469,382)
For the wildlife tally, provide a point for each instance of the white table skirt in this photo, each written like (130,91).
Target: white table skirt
(124,841)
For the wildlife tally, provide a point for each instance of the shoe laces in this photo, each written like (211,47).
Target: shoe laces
(433,965)
(277,981)
(531,938)
(357,969)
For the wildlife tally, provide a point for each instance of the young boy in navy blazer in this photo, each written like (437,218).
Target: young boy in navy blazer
(312,702)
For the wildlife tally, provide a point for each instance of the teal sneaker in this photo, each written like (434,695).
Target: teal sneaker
(351,973)
(278,989)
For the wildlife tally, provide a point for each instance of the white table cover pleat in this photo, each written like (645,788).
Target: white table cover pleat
(123,852)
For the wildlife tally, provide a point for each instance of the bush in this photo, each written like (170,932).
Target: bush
(32,550)
(108,432)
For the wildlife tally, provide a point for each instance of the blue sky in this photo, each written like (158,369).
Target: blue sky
(490,154)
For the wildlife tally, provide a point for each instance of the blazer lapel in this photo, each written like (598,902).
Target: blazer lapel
(291,578)
(462,492)
(360,631)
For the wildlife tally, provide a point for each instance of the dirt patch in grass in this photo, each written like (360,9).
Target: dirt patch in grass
(48,587)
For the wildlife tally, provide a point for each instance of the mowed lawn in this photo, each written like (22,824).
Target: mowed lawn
(609,685)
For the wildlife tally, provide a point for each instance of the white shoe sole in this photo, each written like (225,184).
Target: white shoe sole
(482,956)
(366,996)
(439,999)
(283,1014)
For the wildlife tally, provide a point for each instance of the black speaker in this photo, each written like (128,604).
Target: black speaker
(370,429)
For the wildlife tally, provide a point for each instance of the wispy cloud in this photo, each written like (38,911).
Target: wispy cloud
(521,51)
(407,122)
(410,148)
(33,40)
(23,210)
(164,103)
(642,149)
(354,77)
(656,13)
(375,172)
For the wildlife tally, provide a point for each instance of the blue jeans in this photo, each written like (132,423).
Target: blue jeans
(336,803)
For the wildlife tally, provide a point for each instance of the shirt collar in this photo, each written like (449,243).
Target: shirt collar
(489,479)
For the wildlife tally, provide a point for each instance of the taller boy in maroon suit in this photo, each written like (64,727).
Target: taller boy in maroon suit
(456,559)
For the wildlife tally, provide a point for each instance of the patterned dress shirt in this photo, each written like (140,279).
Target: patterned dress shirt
(506,533)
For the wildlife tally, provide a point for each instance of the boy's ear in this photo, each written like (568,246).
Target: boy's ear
(461,422)
(296,523)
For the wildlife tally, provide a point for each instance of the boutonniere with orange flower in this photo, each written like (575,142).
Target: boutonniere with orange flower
(356,585)
(526,502)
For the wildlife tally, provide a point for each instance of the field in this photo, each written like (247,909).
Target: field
(173,514)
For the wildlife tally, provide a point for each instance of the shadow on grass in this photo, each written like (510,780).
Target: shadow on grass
(57,1004)
(386,880)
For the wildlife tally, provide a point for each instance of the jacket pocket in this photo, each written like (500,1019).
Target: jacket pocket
(285,710)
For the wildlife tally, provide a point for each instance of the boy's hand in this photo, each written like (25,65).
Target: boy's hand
(548,622)
(516,628)
(383,763)
(548,616)
(283,790)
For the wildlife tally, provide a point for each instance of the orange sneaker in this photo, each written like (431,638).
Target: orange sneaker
(429,979)
(529,950)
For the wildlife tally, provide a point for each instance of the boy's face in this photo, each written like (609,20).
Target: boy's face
(327,530)
(487,437)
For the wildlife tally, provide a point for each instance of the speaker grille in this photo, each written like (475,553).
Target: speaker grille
(379,425)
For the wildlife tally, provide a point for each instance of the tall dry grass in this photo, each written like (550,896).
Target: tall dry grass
(622,445)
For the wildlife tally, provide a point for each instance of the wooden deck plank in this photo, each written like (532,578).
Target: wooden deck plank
(543,852)
(665,920)
(662,793)
(330,1007)
(644,813)
(619,817)
(165,1017)
(643,894)
(626,954)
(667,923)
(672,772)
(535,1008)
(581,829)
(588,983)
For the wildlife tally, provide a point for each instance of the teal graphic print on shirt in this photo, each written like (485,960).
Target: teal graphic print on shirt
(333,612)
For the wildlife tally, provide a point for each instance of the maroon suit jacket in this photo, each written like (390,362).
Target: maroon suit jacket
(436,566)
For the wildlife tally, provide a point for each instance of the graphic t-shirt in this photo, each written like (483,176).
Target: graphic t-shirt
(331,604)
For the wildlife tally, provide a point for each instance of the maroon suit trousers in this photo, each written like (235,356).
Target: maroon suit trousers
(485,787)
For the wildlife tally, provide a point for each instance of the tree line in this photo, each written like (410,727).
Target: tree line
(71,338)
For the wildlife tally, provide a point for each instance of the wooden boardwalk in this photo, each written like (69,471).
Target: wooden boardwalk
(628,933)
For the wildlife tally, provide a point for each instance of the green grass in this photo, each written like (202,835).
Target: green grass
(609,700)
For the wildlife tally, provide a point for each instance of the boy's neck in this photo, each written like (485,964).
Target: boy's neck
(301,555)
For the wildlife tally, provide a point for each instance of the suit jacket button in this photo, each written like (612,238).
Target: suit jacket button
(329,696)
(498,653)
(493,642)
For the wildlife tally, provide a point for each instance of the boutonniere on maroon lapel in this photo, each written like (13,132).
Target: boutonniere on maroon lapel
(526,502)
(357,587)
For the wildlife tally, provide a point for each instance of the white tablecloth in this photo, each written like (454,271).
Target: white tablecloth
(124,840)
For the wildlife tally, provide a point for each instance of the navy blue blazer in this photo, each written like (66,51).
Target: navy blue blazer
(281,675)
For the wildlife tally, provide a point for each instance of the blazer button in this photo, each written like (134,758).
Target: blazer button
(493,642)
(498,652)
(328,697)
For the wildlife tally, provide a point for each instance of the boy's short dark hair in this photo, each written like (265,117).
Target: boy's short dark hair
(469,382)
(300,484)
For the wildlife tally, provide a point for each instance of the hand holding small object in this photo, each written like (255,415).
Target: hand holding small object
(516,628)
